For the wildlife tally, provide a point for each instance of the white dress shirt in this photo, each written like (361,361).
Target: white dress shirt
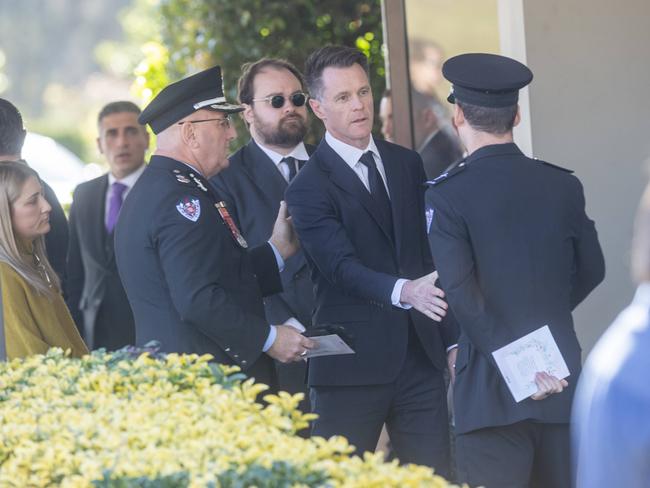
(299,153)
(351,155)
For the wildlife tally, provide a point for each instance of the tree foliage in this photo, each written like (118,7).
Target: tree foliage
(196,34)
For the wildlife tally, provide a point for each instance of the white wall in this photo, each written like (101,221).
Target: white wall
(590,111)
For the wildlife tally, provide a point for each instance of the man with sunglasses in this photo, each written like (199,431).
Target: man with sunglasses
(192,280)
(272,94)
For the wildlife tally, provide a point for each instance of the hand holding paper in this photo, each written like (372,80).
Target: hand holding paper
(547,385)
(532,366)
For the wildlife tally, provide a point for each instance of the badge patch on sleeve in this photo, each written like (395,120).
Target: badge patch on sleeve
(429,214)
(190,208)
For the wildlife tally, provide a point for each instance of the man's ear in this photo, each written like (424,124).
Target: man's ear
(316,108)
(248,114)
(22,139)
(517,117)
(99,145)
(459,116)
(188,135)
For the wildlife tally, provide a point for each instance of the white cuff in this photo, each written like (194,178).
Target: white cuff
(295,323)
(397,293)
(454,346)
(278,258)
(270,338)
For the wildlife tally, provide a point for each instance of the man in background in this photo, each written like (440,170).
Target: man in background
(95,295)
(440,150)
(275,111)
(12,138)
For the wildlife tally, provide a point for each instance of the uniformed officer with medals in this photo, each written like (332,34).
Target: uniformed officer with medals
(193,283)
(515,251)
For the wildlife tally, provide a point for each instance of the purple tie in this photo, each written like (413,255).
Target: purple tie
(114,204)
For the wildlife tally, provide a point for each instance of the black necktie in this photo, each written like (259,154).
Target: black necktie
(291,162)
(377,187)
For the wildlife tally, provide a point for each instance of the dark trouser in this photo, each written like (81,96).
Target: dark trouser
(413,407)
(521,455)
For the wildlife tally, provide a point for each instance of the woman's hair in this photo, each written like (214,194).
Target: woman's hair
(34,269)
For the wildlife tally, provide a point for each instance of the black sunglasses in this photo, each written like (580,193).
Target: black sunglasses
(277,101)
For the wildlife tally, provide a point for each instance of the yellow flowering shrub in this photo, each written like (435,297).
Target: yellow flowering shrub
(114,420)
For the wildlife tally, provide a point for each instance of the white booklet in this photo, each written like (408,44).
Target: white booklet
(521,359)
(328,345)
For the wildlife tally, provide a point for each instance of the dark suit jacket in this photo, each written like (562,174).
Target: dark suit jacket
(96,296)
(515,251)
(440,152)
(56,240)
(355,263)
(253,188)
(190,285)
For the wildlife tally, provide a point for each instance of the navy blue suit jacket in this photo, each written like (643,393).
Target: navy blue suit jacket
(355,263)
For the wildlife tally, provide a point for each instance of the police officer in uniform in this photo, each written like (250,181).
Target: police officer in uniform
(515,251)
(193,283)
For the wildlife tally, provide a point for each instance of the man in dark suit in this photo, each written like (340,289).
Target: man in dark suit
(359,212)
(272,94)
(192,282)
(515,251)
(438,148)
(12,138)
(95,295)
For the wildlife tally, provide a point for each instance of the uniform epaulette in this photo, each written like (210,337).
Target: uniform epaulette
(447,174)
(189,178)
(567,170)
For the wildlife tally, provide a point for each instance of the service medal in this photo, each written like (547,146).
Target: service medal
(230,223)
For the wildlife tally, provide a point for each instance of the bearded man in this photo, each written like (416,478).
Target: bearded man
(275,110)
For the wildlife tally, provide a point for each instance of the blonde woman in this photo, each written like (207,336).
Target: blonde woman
(34,314)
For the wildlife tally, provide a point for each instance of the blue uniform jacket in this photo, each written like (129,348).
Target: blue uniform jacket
(190,284)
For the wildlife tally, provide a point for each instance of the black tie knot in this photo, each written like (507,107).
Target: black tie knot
(368,160)
(293,167)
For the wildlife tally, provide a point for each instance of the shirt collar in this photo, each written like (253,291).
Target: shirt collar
(299,152)
(128,180)
(348,153)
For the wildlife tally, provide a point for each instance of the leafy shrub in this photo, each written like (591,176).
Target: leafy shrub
(132,419)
